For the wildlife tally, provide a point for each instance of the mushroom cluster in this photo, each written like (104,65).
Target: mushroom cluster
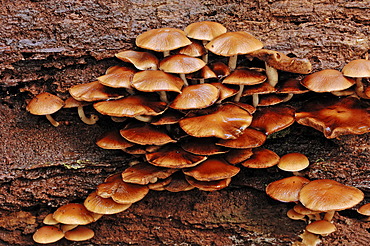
(195,105)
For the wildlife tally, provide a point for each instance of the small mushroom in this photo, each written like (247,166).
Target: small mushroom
(141,60)
(358,69)
(321,227)
(100,205)
(45,104)
(73,103)
(73,213)
(261,158)
(293,162)
(48,234)
(365,210)
(80,233)
(286,189)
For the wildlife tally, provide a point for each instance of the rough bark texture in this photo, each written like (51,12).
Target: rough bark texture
(52,45)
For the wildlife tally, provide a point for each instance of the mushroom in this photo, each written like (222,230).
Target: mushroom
(178,183)
(205,31)
(358,69)
(118,77)
(235,156)
(335,117)
(73,103)
(225,91)
(80,233)
(232,44)
(94,91)
(290,87)
(312,215)
(45,104)
(100,205)
(261,158)
(365,210)
(73,213)
(256,90)
(286,189)
(162,40)
(292,214)
(113,140)
(321,227)
(195,49)
(47,234)
(250,138)
(293,162)
(275,60)
(141,60)
(49,220)
(328,196)
(181,64)
(208,185)
(202,146)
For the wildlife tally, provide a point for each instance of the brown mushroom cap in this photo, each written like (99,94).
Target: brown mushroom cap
(131,106)
(291,86)
(273,119)
(145,134)
(261,158)
(262,88)
(227,122)
(194,49)
(141,60)
(212,169)
(220,69)
(364,209)
(270,99)
(155,80)
(162,39)
(236,156)
(234,43)
(321,227)
(196,97)
(204,30)
(359,68)
(113,140)
(244,77)
(121,192)
(172,156)
(49,220)
(100,205)
(335,117)
(93,91)
(327,80)
(181,64)
(119,78)
(144,173)
(225,91)
(80,233)
(209,185)
(73,213)
(44,104)
(202,146)
(293,162)
(47,234)
(287,189)
(292,214)
(178,183)
(250,138)
(329,195)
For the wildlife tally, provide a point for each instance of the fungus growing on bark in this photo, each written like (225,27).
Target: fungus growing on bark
(162,40)
(94,91)
(80,233)
(202,146)
(118,77)
(195,49)
(287,189)
(250,138)
(178,183)
(232,44)
(113,140)
(261,158)
(292,214)
(256,90)
(208,185)
(365,210)
(141,60)
(358,69)
(73,213)
(335,117)
(45,104)
(235,156)
(100,205)
(321,227)
(293,162)
(328,196)
(47,234)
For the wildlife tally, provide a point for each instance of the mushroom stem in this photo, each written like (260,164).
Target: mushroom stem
(52,121)
(255,99)
(87,120)
(205,56)
(360,89)
(239,94)
(182,76)
(232,62)
(144,118)
(272,75)
(329,215)
(288,97)
(166,53)
(163,96)
(201,81)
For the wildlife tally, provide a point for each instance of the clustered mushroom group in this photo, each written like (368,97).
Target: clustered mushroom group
(193,106)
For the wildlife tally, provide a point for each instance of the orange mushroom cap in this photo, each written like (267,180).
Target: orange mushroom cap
(141,60)
(287,189)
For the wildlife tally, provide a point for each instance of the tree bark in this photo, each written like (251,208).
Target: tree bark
(52,45)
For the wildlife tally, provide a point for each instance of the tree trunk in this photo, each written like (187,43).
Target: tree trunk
(52,45)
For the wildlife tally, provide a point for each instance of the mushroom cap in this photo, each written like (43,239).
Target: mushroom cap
(225,91)
(250,138)
(194,49)
(131,106)
(162,39)
(73,213)
(208,185)
(44,103)
(234,43)
(80,233)
(273,119)
(145,134)
(160,184)
(329,195)
(292,214)
(47,234)
(261,158)
(121,192)
(364,209)
(270,99)
(227,122)
(299,208)
(262,88)
(335,117)
(70,102)
(287,189)
(113,140)
(178,183)
(282,62)
(120,77)
(181,64)
(100,205)
(155,80)
(359,68)
(204,30)
(293,162)
(236,156)
(202,146)
(49,220)
(220,69)
(321,227)
(141,60)
(212,169)
(144,173)
(196,97)
(291,86)
(173,156)
(327,80)
(93,91)
(244,77)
